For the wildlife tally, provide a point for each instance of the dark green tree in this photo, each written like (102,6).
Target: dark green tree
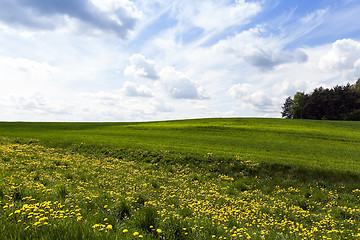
(298,105)
(337,103)
(356,86)
(286,108)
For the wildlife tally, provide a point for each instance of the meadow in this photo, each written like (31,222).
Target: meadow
(190,179)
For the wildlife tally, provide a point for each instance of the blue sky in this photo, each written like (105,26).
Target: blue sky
(122,60)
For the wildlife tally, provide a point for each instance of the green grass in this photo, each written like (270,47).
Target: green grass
(321,145)
(191,179)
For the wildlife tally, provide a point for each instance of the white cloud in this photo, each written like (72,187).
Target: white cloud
(132,90)
(222,15)
(27,66)
(118,106)
(248,94)
(262,52)
(179,86)
(343,57)
(37,15)
(35,107)
(141,67)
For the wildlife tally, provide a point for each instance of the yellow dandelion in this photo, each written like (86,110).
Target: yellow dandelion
(125,231)
(109,227)
(136,234)
(158,230)
(37,223)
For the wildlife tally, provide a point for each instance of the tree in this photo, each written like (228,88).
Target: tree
(356,86)
(286,113)
(337,103)
(298,105)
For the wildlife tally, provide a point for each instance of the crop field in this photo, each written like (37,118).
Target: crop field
(190,179)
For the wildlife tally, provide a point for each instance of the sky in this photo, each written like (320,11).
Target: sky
(124,61)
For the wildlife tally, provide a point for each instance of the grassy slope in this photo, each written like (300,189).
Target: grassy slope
(262,201)
(326,145)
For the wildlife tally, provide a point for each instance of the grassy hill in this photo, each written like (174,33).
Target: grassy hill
(191,179)
(325,145)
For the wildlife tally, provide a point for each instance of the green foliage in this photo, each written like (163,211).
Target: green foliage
(147,219)
(286,113)
(121,211)
(298,105)
(338,103)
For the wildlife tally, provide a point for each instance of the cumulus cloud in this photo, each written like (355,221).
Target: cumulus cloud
(343,56)
(262,52)
(179,86)
(176,84)
(132,90)
(49,15)
(27,66)
(248,94)
(140,66)
(37,104)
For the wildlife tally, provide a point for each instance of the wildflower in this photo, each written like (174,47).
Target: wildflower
(17,211)
(125,231)
(109,227)
(158,230)
(43,219)
(136,234)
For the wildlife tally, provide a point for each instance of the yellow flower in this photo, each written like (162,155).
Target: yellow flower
(136,234)
(17,211)
(109,227)
(43,219)
(125,231)
(158,230)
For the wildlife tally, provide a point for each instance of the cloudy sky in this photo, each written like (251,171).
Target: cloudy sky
(122,60)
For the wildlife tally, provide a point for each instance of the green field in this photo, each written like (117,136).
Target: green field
(326,145)
(233,178)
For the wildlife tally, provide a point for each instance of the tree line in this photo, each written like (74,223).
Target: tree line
(337,103)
